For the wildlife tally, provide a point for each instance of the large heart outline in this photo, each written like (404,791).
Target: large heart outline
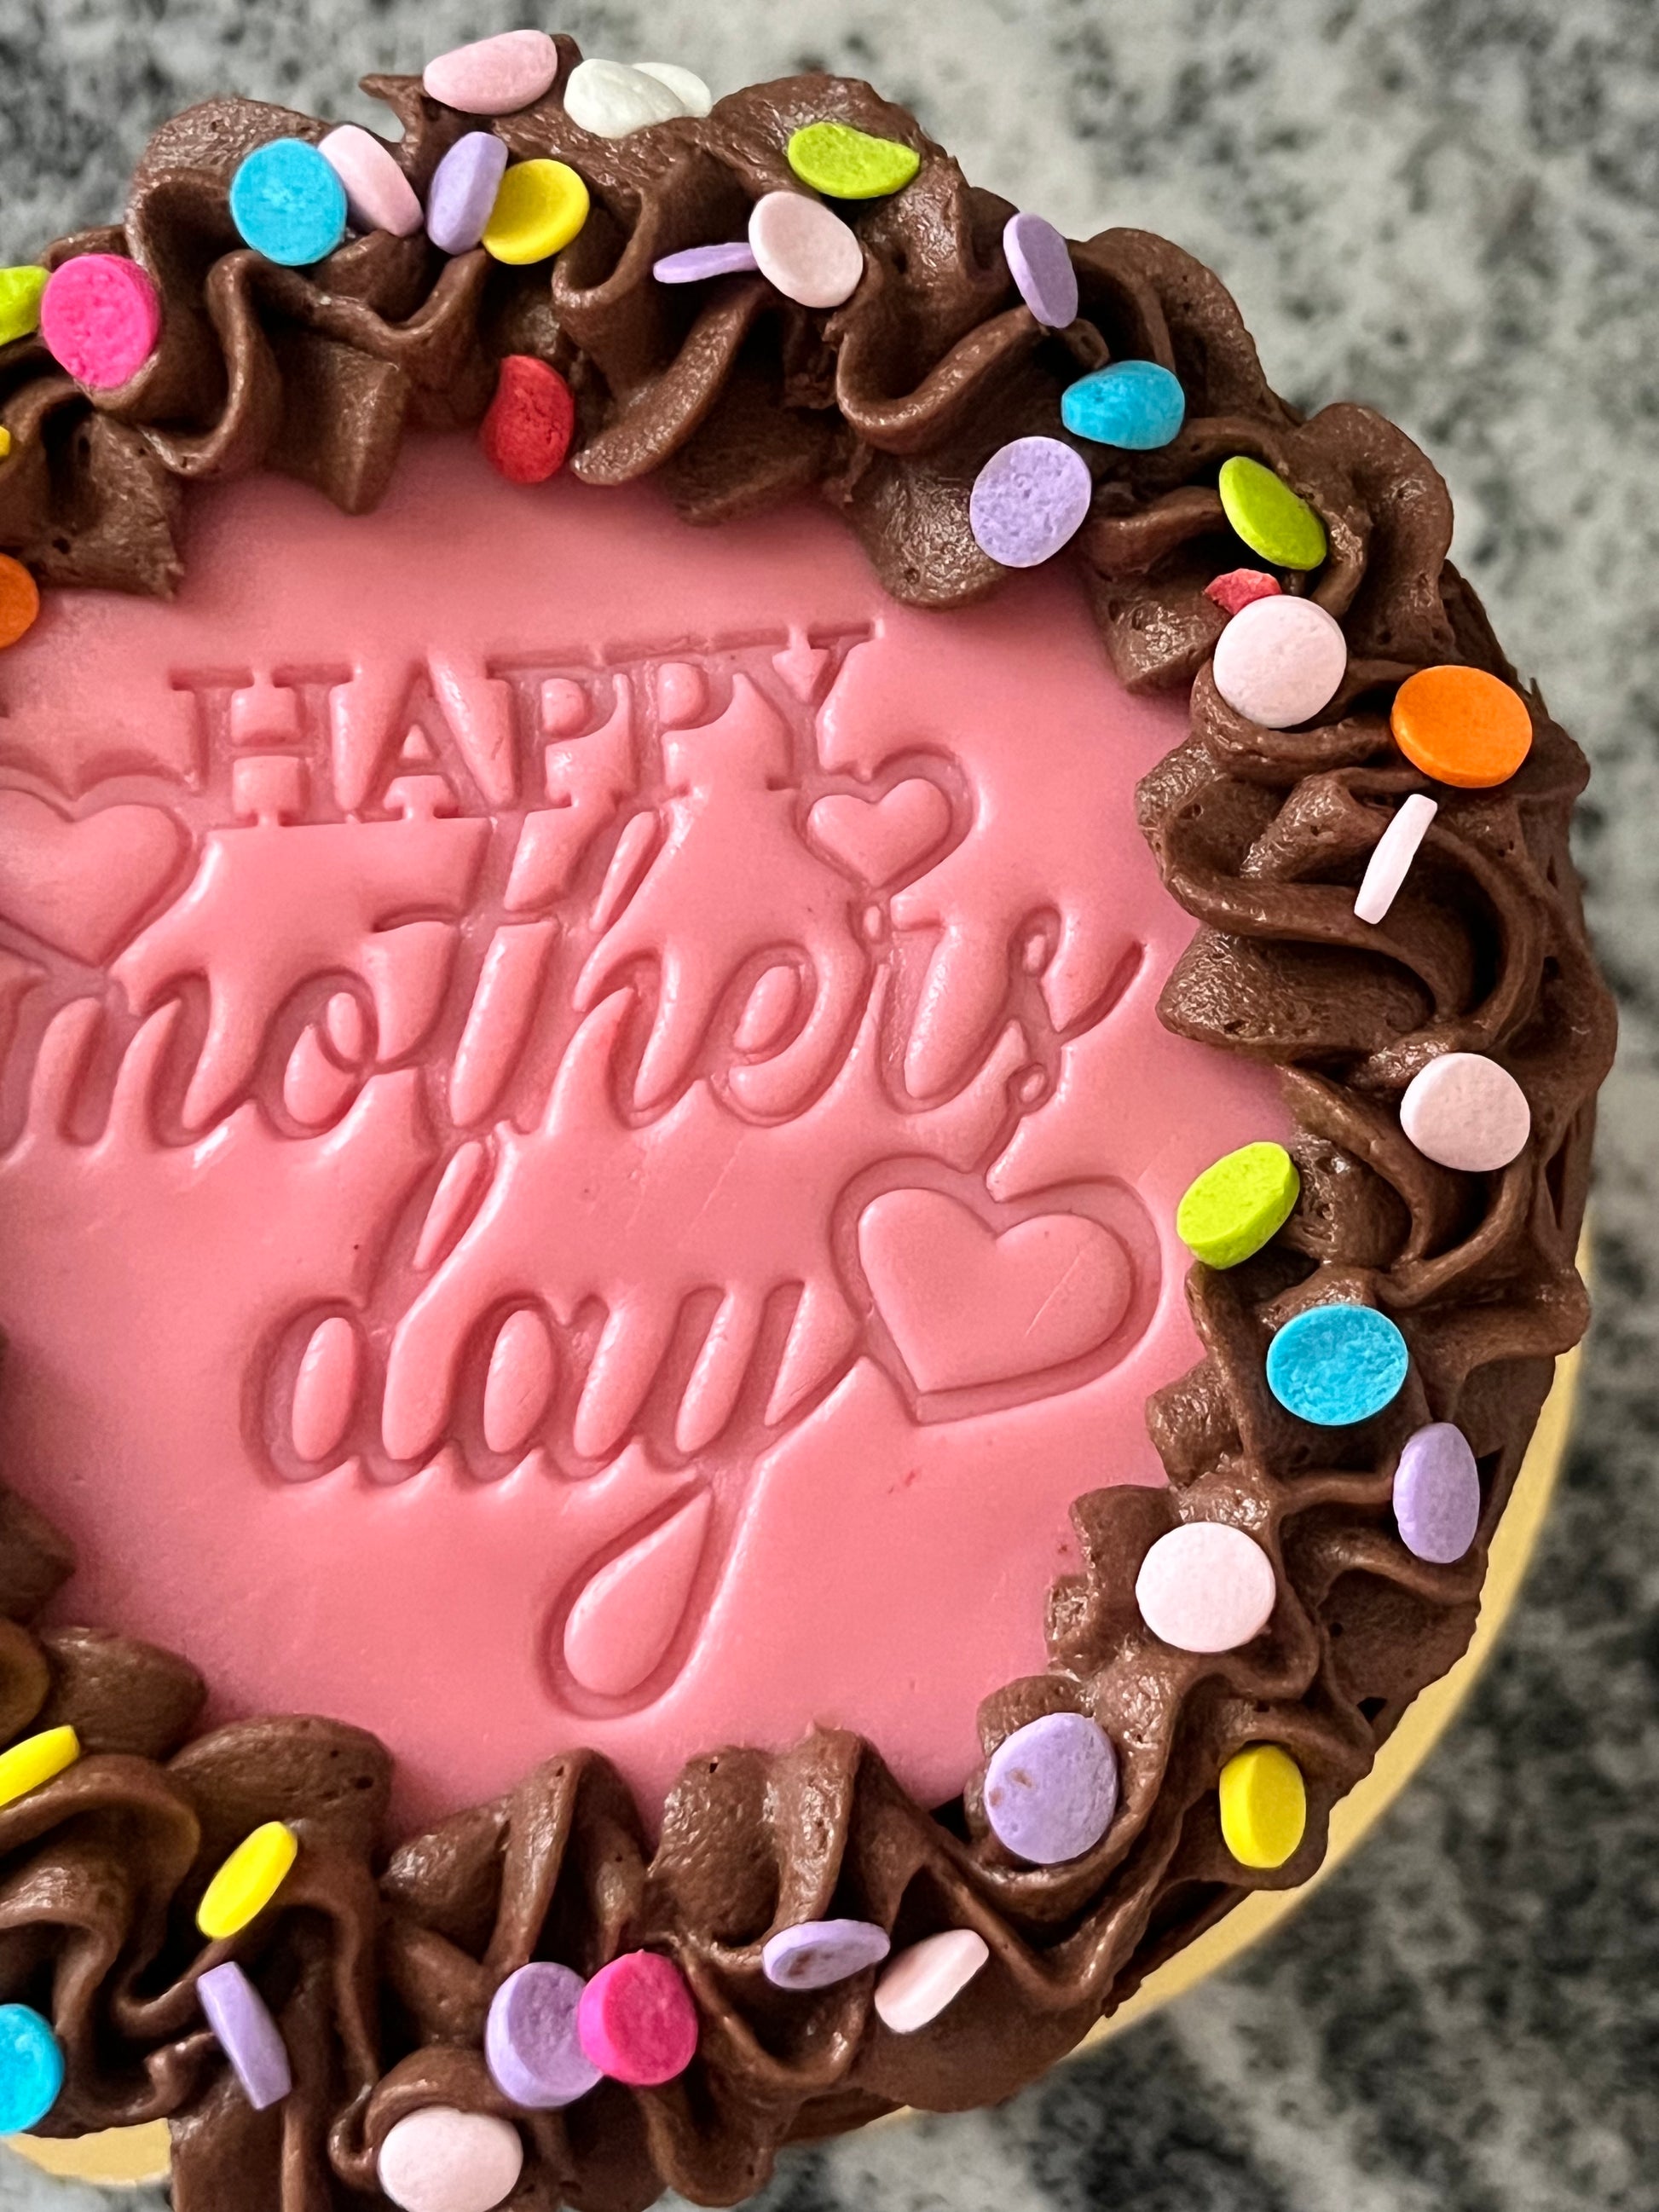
(969,1305)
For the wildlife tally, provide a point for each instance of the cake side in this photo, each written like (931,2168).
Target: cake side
(893,406)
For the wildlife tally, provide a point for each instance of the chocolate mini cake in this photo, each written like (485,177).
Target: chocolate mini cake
(796,1071)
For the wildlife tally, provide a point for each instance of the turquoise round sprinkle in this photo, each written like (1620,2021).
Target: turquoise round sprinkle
(31,2069)
(1136,405)
(288,202)
(1333,1365)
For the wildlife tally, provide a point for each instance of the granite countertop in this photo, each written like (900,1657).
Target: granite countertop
(1449,209)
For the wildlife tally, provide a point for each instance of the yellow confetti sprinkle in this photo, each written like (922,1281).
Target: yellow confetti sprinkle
(1264,1806)
(539,209)
(35,1761)
(247,1880)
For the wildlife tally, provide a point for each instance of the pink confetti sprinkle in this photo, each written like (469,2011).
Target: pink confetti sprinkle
(1206,1586)
(637,2021)
(1239,586)
(101,317)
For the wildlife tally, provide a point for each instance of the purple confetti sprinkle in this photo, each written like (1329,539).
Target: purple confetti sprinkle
(248,2036)
(1437,1494)
(462,192)
(1051,1788)
(698,263)
(815,1953)
(530,2038)
(1040,263)
(1029,499)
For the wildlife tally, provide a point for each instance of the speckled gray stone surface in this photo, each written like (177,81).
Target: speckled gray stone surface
(1450,209)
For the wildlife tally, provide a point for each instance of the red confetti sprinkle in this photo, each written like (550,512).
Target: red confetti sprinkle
(527,430)
(1239,586)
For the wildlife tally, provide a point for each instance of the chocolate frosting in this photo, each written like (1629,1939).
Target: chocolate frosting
(380,1971)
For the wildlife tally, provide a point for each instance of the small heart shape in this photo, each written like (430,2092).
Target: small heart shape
(965,1305)
(878,839)
(80,885)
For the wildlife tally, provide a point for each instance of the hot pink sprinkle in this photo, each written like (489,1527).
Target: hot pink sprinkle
(1239,586)
(101,317)
(637,2020)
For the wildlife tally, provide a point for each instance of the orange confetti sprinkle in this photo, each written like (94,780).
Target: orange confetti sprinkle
(20,599)
(1461,726)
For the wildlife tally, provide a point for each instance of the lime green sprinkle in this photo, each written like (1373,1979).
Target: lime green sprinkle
(19,302)
(845,164)
(1272,520)
(1236,1206)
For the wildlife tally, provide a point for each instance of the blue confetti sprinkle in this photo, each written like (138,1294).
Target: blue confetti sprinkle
(31,2069)
(288,202)
(1337,1365)
(1135,405)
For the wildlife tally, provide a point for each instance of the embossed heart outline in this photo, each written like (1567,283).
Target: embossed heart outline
(1112,1206)
(81,882)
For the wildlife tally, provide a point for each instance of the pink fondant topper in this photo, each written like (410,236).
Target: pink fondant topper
(633,1179)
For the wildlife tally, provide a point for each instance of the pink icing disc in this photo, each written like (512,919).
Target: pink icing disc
(1205,1586)
(101,317)
(378,193)
(552,1268)
(637,2020)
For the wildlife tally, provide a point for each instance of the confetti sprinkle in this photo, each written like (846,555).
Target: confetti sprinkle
(1392,856)
(695,264)
(20,301)
(20,598)
(37,1760)
(1040,262)
(287,204)
(845,164)
(1437,1494)
(1272,520)
(378,196)
(613,101)
(1264,1806)
(1464,1111)
(927,1977)
(531,2044)
(526,431)
(815,1954)
(493,76)
(463,190)
(1030,499)
(101,317)
(688,87)
(540,207)
(637,2021)
(1461,726)
(809,253)
(1336,1365)
(1238,1204)
(1239,586)
(1135,405)
(1207,1587)
(1051,1788)
(31,2069)
(1279,661)
(441,2160)
(247,1881)
(248,2034)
